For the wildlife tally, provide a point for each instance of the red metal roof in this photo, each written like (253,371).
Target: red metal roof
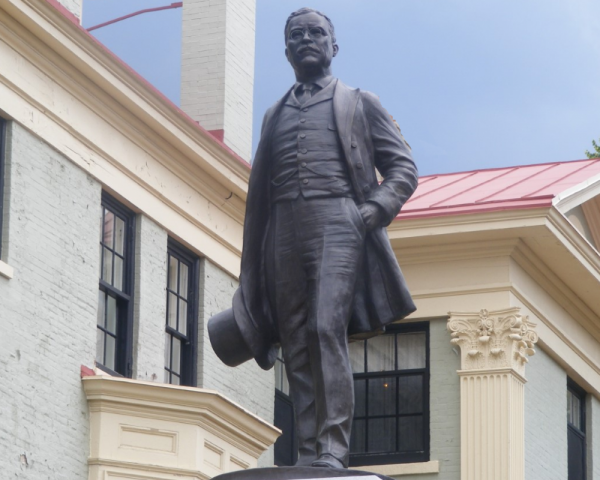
(510,188)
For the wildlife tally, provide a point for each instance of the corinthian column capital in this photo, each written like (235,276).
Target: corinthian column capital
(501,339)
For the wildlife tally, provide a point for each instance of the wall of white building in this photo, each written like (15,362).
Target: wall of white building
(246,384)
(545,419)
(47,312)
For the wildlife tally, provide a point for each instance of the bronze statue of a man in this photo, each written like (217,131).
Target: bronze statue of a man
(317,265)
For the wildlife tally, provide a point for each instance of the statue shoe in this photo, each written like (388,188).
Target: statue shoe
(327,461)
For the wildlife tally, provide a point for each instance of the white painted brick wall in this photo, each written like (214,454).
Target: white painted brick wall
(545,419)
(217,68)
(74,6)
(247,384)
(150,308)
(47,313)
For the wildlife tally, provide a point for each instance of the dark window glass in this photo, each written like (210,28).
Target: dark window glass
(115,304)
(576,431)
(182,315)
(391,400)
(391,391)
(2,155)
(286,446)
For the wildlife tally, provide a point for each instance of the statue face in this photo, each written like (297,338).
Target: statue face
(309,46)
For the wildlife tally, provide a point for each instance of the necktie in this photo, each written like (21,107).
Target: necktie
(305,92)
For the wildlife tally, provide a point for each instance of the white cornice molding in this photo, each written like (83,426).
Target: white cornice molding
(574,241)
(500,339)
(194,405)
(467,223)
(578,194)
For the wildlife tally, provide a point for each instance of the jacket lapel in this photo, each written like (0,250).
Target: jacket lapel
(345,100)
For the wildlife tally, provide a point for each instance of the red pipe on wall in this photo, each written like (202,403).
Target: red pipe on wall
(110,22)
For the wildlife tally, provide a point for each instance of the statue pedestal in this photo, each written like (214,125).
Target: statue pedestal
(300,473)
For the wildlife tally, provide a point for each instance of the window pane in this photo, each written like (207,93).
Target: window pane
(167,350)
(411,434)
(382,435)
(175,380)
(182,316)
(172,281)
(360,398)
(120,236)
(167,377)
(382,396)
(101,307)
(410,394)
(109,220)
(278,375)
(107,267)
(118,272)
(109,357)
(574,410)
(172,311)
(380,354)
(411,350)
(356,351)
(111,314)
(183,280)
(176,360)
(357,440)
(100,346)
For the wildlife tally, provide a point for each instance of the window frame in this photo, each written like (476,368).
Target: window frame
(3,147)
(189,352)
(366,459)
(581,433)
(125,297)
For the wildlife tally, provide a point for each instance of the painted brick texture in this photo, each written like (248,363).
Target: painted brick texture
(247,384)
(47,313)
(217,68)
(545,419)
(74,6)
(150,307)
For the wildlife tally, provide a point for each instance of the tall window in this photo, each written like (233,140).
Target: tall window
(391,400)
(2,154)
(391,392)
(182,314)
(115,303)
(576,431)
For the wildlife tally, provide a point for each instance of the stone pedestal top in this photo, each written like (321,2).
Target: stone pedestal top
(300,473)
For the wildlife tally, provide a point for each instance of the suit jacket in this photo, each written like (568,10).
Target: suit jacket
(369,140)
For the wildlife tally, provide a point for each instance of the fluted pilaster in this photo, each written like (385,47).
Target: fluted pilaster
(495,347)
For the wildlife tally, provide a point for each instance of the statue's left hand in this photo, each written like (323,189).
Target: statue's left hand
(372,215)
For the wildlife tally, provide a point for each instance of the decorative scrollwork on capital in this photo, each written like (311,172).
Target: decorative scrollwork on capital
(489,340)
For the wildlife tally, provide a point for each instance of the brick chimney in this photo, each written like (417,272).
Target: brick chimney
(73,6)
(217,68)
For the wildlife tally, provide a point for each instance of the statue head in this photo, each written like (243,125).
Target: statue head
(310,43)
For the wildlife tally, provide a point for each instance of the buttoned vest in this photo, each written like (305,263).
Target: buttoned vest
(307,156)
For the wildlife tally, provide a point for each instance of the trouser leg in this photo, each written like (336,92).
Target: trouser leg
(336,255)
(287,285)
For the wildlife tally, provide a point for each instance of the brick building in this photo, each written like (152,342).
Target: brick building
(121,222)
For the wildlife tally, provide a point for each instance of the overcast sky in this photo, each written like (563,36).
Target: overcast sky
(473,84)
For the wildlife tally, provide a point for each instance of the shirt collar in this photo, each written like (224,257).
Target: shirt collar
(321,82)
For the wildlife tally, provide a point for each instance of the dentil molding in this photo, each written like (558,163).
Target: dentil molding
(499,339)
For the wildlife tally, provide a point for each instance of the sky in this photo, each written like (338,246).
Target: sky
(473,84)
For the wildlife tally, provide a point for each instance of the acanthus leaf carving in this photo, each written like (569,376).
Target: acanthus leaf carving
(491,340)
